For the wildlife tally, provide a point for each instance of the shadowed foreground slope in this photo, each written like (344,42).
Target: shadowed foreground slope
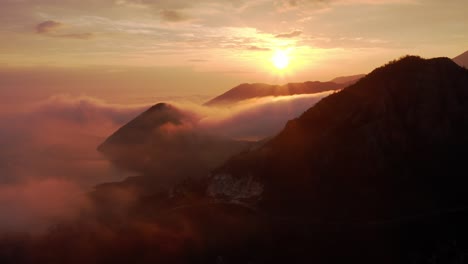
(368,162)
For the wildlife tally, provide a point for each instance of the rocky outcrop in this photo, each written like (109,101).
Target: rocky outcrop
(225,187)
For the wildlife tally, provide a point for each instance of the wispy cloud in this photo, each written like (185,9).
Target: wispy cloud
(77,36)
(48,26)
(52,28)
(292,34)
(256,48)
(173,15)
(198,60)
(48,159)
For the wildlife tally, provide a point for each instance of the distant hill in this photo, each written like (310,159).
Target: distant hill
(462,59)
(248,91)
(348,79)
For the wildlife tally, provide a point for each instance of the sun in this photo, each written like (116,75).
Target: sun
(280,59)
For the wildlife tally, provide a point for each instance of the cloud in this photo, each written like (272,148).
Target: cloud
(256,48)
(83,36)
(320,5)
(49,150)
(252,119)
(173,16)
(293,5)
(258,118)
(35,204)
(48,26)
(48,159)
(292,34)
(48,156)
(180,4)
(51,28)
(170,143)
(198,60)
(57,138)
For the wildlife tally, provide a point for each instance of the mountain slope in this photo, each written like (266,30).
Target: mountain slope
(462,59)
(248,91)
(348,79)
(375,150)
(372,174)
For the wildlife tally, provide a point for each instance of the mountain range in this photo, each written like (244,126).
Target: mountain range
(248,91)
(375,159)
(372,173)
(364,164)
(348,79)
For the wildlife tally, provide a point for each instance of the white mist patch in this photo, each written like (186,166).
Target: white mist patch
(49,161)
(257,118)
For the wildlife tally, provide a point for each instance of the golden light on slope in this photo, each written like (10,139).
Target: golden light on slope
(280,59)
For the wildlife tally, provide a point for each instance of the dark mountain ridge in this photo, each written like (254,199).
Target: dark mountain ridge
(248,91)
(375,150)
(373,173)
(348,79)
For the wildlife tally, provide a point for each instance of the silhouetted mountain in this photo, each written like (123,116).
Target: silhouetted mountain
(462,59)
(158,141)
(376,161)
(399,123)
(248,91)
(138,130)
(348,79)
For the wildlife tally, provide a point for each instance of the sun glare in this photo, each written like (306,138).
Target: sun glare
(280,59)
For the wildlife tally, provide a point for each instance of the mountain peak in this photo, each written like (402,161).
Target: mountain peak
(139,129)
(462,59)
(409,64)
(159,107)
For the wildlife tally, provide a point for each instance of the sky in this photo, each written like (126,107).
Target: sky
(142,51)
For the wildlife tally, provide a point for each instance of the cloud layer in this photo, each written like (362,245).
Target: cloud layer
(48,26)
(48,156)
(258,118)
(52,28)
(48,159)
(292,34)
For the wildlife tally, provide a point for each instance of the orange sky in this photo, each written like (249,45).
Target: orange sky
(140,50)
